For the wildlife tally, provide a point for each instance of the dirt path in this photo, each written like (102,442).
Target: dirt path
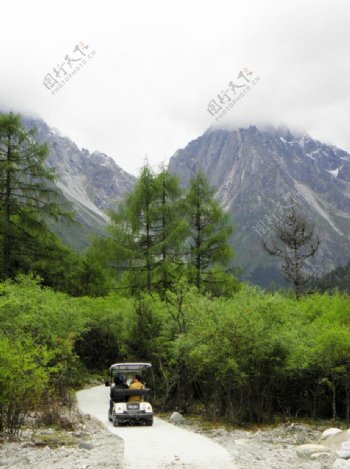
(159,447)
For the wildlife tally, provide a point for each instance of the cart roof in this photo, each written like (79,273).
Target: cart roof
(130,366)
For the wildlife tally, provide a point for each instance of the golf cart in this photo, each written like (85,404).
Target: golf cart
(128,406)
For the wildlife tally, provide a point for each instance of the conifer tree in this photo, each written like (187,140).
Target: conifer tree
(209,229)
(148,230)
(171,227)
(26,193)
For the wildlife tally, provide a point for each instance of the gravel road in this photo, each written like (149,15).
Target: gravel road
(159,447)
(91,442)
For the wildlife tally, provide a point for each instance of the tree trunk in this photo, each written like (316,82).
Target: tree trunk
(7,214)
(148,248)
(297,272)
(198,246)
(347,402)
(314,393)
(334,409)
(164,251)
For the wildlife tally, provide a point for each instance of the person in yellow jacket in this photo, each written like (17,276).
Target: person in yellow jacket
(136,384)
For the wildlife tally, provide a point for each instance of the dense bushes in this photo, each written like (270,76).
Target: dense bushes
(259,354)
(24,374)
(242,359)
(37,363)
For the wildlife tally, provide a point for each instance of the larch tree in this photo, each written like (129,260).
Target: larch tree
(27,195)
(209,229)
(171,228)
(147,231)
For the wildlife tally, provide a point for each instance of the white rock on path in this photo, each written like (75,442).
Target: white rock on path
(241,441)
(344,451)
(176,417)
(319,455)
(305,451)
(329,432)
(341,464)
(342,454)
(335,441)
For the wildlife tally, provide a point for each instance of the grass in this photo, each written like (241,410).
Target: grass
(206,425)
(56,439)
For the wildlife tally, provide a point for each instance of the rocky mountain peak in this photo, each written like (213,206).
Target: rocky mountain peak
(254,170)
(93,179)
(91,182)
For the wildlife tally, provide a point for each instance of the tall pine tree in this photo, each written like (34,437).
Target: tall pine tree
(147,232)
(26,194)
(171,227)
(209,230)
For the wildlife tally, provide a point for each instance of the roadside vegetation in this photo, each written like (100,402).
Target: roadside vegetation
(157,288)
(244,358)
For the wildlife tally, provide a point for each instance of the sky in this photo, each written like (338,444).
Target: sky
(146,71)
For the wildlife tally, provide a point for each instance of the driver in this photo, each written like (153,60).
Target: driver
(119,383)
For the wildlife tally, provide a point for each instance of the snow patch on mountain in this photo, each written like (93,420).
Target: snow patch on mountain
(311,154)
(334,172)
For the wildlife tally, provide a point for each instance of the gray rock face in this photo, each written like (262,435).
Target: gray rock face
(101,182)
(91,182)
(256,171)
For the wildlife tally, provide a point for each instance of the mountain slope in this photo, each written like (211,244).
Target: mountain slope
(91,182)
(257,171)
(338,278)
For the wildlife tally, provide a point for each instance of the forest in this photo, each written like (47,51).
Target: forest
(158,287)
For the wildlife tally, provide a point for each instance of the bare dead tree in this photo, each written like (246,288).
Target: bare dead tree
(293,240)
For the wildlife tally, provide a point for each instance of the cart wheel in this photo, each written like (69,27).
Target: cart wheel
(149,423)
(115,421)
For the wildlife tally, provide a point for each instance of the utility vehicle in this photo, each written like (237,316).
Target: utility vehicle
(128,406)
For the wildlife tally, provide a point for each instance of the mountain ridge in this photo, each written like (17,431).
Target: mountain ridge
(92,183)
(254,170)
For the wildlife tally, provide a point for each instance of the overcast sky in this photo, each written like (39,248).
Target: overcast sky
(157,65)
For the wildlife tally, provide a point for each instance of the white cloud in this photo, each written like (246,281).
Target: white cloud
(158,64)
